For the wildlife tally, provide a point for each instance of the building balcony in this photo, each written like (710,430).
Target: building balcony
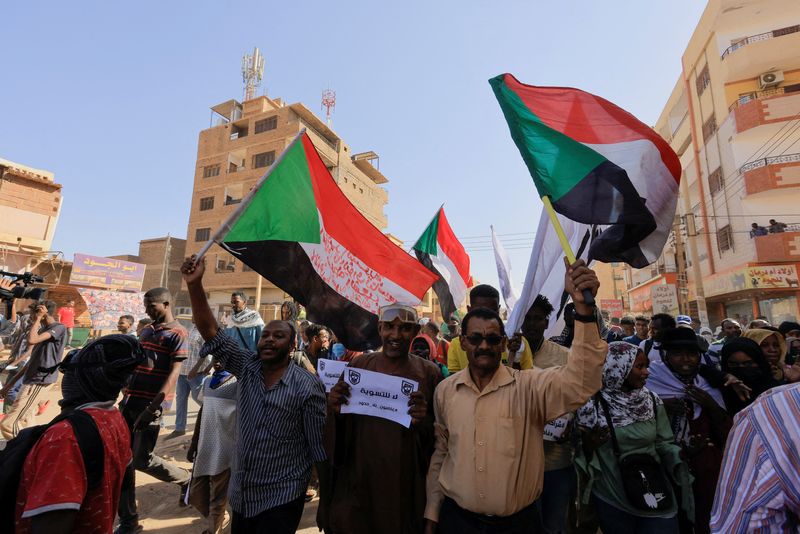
(771,173)
(780,247)
(757,54)
(766,107)
(766,36)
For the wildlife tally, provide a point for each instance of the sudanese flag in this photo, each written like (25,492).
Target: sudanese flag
(440,251)
(300,232)
(598,164)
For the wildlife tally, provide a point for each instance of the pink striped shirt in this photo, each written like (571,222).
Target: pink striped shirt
(759,488)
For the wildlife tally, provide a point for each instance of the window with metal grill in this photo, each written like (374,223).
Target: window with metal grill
(716,182)
(202,234)
(210,171)
(265,159)
(725,238)
(709,128)
(206,203)
(264,125)
(703,80)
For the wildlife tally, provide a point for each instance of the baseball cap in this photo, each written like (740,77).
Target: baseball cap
(683,319)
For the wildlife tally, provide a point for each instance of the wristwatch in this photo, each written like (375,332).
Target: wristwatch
(586,318)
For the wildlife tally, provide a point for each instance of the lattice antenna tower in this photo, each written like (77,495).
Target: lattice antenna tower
(252,73)
(329,103)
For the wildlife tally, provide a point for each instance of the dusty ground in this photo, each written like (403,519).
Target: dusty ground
(158,501)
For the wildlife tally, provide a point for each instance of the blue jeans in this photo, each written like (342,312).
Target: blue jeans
(558,492)
(612,519)
(182,390)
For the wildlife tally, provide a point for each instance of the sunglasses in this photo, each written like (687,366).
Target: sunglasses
(406,314)
(492,339)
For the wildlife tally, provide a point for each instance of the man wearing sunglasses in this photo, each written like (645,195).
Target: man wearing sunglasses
(379,466)
(487,470)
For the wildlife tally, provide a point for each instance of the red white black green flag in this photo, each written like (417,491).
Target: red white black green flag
(300,232)
(439,250)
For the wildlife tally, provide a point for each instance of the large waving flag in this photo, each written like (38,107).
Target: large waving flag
(298,230)
(598,164)
(440,251)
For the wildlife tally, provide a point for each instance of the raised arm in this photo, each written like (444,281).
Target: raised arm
(564,389)
(203,317)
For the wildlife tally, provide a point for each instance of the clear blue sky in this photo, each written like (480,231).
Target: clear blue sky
(111,96)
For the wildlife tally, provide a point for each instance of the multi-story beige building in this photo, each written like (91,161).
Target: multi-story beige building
(242,142)
(734,120)
(30,202)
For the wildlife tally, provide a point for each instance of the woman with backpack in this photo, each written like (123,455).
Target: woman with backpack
(626,433)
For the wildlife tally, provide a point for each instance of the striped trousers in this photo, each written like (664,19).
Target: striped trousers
(23,410)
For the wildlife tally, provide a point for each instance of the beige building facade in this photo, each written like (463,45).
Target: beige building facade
(733,118)
(233,153)
(30,203)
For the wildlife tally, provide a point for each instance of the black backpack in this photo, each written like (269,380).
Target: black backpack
(12,459)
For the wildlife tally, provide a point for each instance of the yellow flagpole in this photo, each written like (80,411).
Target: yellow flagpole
(562,238)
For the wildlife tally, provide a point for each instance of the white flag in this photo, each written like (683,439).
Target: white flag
(503,272)
(546,270)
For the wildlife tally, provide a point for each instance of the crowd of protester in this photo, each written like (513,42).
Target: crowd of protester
(646,424)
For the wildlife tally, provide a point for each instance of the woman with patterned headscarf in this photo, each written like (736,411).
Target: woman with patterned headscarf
(641,427)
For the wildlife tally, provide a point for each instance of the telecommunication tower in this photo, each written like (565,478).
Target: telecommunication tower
(329,103)
(252,73)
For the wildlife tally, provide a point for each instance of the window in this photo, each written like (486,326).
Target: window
(265,159)
(703,80)
(267,124)
(206,203)
(202,234)
(716,182)
(225,265)
(233,194)
(725,238)
(709,128)
(210,171)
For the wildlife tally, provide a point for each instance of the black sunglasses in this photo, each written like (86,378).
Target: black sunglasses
(492,339)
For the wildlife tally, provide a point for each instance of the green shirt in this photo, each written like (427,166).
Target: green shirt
(654,437)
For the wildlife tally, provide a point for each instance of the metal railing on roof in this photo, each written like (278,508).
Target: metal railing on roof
(773,160)
(760,37)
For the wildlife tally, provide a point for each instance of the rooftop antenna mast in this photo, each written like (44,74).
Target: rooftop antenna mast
(252,73)
(329,103)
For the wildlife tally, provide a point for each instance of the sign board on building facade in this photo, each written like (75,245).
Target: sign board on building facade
(665,299)
(106,273)
(612,306)
(759,277)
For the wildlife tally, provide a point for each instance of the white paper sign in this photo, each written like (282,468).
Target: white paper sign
(379,395)
(554,430)
(329,372)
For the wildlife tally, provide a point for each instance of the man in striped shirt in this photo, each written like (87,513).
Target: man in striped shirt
(165,345)
(280,418)
(759,489)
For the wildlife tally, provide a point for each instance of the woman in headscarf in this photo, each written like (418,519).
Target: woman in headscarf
(640,426)
(697,416)
(744,359)
(774,347)
(424,347)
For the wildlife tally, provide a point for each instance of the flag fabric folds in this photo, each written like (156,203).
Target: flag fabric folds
(503,272)
(439,250)
(598,164)
(300,232)
(546,271)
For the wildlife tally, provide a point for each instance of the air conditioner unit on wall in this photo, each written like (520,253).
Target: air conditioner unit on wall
(770,79)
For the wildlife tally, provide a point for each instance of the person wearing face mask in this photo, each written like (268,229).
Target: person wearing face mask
(744,359)
(424,347)
(774,347)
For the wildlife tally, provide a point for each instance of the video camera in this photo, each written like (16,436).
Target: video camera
(23,291)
